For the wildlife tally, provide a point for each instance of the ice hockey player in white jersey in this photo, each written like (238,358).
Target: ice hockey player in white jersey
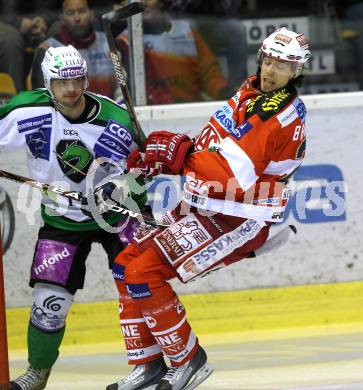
(63,129)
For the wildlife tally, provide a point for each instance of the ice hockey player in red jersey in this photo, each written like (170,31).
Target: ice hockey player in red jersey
(236,173)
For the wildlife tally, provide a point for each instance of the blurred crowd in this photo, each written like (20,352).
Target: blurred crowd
(184,61)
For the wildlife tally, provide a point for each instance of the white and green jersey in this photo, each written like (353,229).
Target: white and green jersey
(53,141)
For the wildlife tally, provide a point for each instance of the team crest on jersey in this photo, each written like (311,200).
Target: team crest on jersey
(74,159)
(37,132)
(207,138)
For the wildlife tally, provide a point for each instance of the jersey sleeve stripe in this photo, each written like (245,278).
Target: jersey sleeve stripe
(239,162)
(280,168)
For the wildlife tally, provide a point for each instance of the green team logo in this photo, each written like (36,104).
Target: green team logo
(59,62)
(74,159)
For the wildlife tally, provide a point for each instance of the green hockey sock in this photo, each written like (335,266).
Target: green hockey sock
(43,348)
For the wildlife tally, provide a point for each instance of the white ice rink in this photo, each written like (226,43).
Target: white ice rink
(295,362)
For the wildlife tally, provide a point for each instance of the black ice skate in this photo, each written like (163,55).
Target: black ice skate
(143,376)
(33,379)
(188,376)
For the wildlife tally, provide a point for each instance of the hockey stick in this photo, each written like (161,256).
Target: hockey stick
(52,192)
(107,21)
(4,355)
(278,240)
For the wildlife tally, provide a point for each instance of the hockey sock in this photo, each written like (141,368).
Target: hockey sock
(43,348)
(145,275)
(141,345)
(169,326)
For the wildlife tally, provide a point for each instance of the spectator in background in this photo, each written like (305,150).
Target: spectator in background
(219,23)
(77,30)
(33,28)
(12,47)
(180,67)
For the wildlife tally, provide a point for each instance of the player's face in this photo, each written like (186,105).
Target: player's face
(77,17)
(68,91)
(275,74)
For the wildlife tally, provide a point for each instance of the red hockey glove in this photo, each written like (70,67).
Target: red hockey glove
(167,148)
(136,164)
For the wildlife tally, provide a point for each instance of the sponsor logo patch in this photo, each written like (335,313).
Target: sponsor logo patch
(36,122)
(267,202)
(218,249)
(118,272)
(283,38)
(241,130)
(114,142)
(301,109)
(150,322)
(303,41)
(288,115)
(50,261)
(70,132)
(138,291)
(182,238)
(274,102)
(74,71)
(224,117)
(276,51)
(278,216)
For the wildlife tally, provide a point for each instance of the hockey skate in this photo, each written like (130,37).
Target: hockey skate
(143,376)
(188,376)
(33,379)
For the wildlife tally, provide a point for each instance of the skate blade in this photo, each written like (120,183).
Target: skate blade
(200,376)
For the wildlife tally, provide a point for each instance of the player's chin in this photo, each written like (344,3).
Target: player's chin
(70,100)
(267,86)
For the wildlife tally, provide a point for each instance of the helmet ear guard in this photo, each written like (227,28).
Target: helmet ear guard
(63,62)
(286,45)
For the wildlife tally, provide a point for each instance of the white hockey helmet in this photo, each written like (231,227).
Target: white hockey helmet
(63,62)
(286,45)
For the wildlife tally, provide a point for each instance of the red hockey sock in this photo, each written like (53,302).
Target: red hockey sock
(141,345)
(146,275)
(168,324)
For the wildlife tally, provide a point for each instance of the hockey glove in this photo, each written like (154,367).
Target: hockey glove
(136,164)
(169,149)
(100,195)
(104,192)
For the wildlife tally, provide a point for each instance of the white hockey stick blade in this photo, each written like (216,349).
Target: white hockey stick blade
(278,240)
(200,376)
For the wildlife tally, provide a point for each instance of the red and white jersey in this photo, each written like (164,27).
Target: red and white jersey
(245,154)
